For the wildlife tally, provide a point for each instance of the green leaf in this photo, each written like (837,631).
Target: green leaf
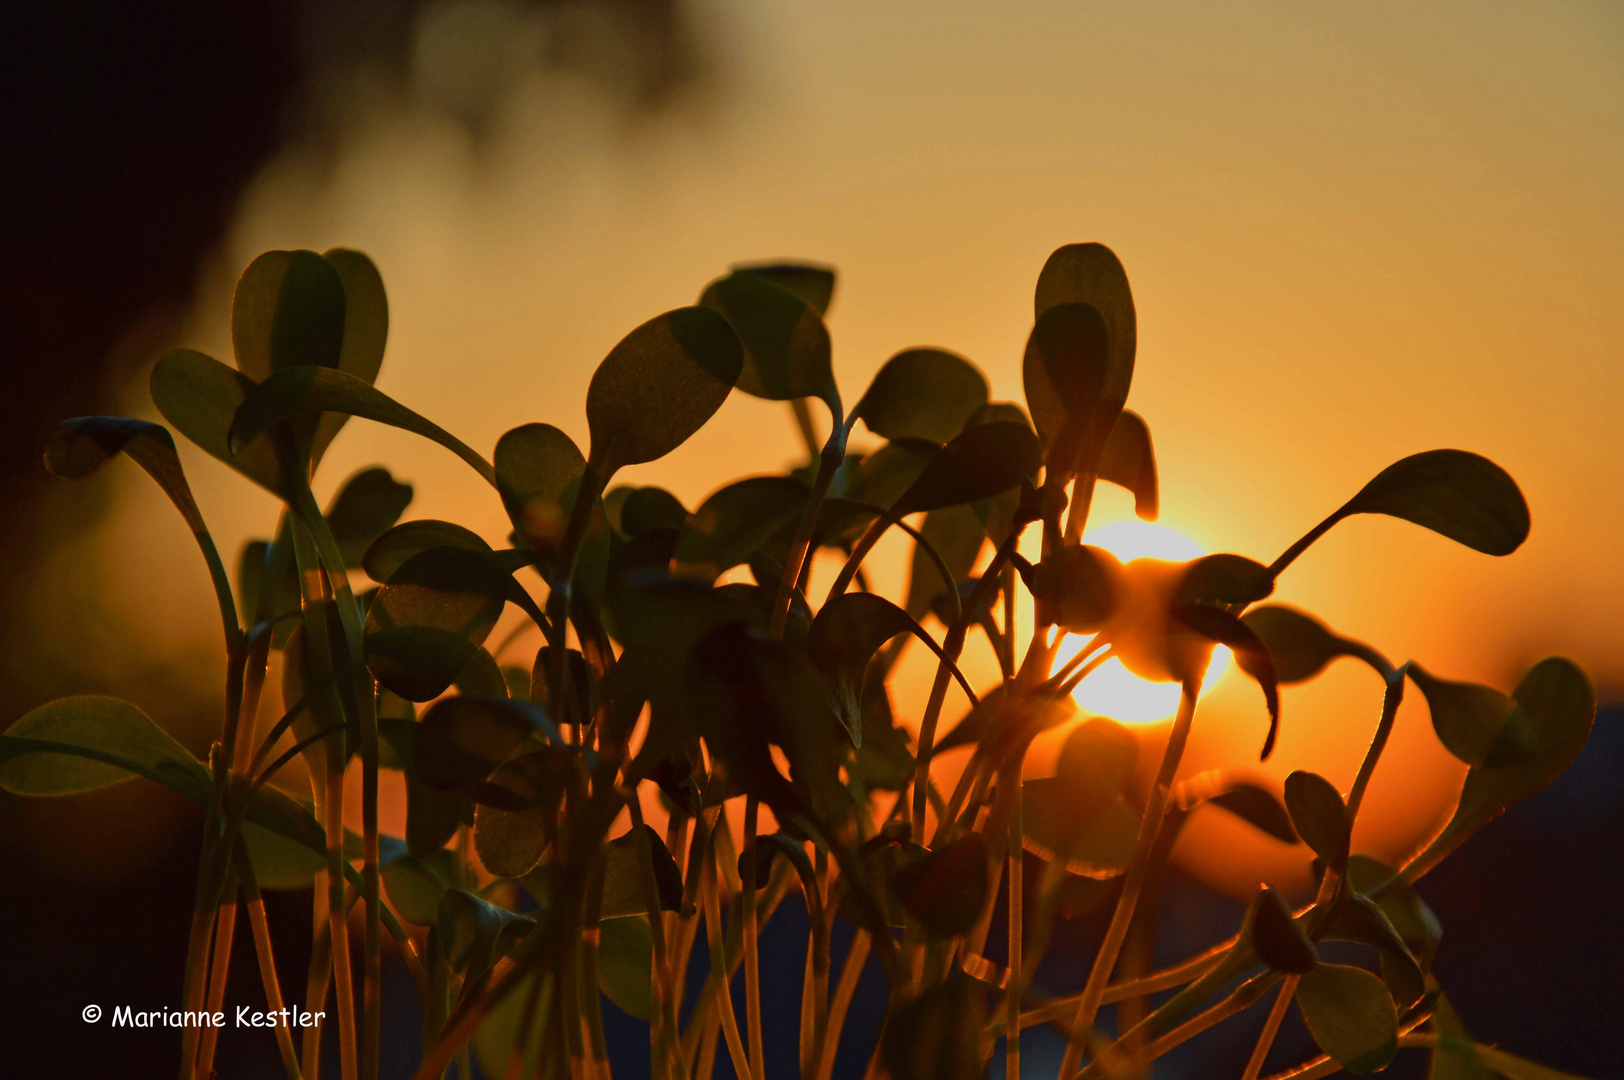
(482,677)
(366,329)
(1223,580)
(1359,918)
(1320,815)
(80,446)
(288,310)
(429,620)
(475,933)
(735,521)
(1279,941)
(1299,645)
(496,1040)
(1478,724)
(892,469)
(976,464)
(1092,274)
(517,809)
(843,639)
(1458,494)
(37,752)
(1098,848)
(813,283)
(1350,1016)
(301,391)
(1409,915)
(786,345)
(280,864)
(1077,587)
(1259,809)
(923,394)
(511,843)
(365,508)
(660,385)
(1457,1057)
(1561,705)
(1065,369)
(539,471)
(749,693)
(1129,461)
(779,845)
(200,396)
(625,891)
(937,1036)
(1250,655)
(390,551)
(649,508)
(945,889)
(626,964)
(460,741)
(415,885)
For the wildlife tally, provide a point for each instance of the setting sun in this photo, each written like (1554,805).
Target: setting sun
(1112,690)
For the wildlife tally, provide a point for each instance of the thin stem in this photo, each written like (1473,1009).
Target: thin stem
(1271,1027)
(225,932)
(1012,1023)
(828,462)
(255,903)
(666,1047)
(1138,869)
(720,969)
(850,972)
(752,951)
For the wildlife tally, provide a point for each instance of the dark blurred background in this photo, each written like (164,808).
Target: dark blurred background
(130,135)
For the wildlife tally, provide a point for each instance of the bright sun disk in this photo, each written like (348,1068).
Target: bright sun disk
(1112,690)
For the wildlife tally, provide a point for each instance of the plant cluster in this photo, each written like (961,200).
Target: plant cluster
(510,898)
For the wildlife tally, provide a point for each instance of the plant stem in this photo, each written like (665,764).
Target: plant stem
(1012,1023)
(666,1046)
(799,551)
(1271,1027)
(850,972)
(255,903)
(752,951)
(720,969)
(1138,868)
(225,932)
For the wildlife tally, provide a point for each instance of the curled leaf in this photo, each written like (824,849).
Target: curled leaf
(1250,655)
(1299,645)
(1129,461)
(1279,941)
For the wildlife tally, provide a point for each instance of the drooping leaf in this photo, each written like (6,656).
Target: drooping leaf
(475,933)
(625,889)
(976,464)
(1298,643)
(1279,941)
(430,618)
(1258,808)
(957,535)
(1251,656)
(461,741)
(200,397)
(1129,461)
(1350,1016)
(779,845)
(1077,587)
(1320,816)
(945,889)
(1223,580)
(1410,916)
(937,1036)
(813,283)
(626,964)
(1478,724)
(124,740)
(735,521)
(302,391)
(923,394)
(659,385)
(287,310)
(366,507)
(786,345)
(80,446)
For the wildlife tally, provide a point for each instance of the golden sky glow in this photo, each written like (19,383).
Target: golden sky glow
(1353,232)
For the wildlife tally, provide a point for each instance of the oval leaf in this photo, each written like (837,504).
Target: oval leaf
(976,464)
(200,396)
(1478,724)
(288,309)
(923,394)
(660,385)
(812,282)
(1320,815)
(1299,645)
(1350,1016)
(1250,655)
(365,508)
(1458,494)
(1077,587)
(1092,274)
(125,739)
(625,964)
(947,888)
(429,620)
(1129,461)
(786,345)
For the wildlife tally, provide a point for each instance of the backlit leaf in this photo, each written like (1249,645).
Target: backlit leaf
(1478,724)
(80,446)
(813,283)
(1077,587)
(1279,941)
(1259,809)
(430,618)
(1250,655)
(1298,643)
(786,345)
(625,888)
(626,964)
(980,462)
(460,741)
(1092,274)
(125,738)
(1461,495)
(1320,816)
(366,329)
(365,508)
(945,889)
(1130,461)
(659,385)
(287,310)
(1350,1016)
(200,396)
(924,394)
(844,637)
(958,536)
(475,933)
(735,521)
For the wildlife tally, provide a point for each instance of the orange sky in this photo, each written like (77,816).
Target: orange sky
(1353,232)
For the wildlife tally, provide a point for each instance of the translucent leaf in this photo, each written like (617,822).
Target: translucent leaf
(1077,587)
(125,738)
(200,397)
(1224,580)
(1250,656)
(1065,370)
(430,618)
(1279,941)
(366,329)
(1350,1016)
(288,309)
(1096,847)
(1092,274)
(626,964)
(660,385)
(982,461)
(390,551)
(786,345)
(1130,461)
(625,889)
(1478,724)
(365,508)
(415,885)
(1321,817)
(460,741)
(924,394)
(1298,643)
(1259,809)
(80,446)
(1358,918)
(474,933)
(813,283)
(937,1036)
(843,639)
(649,508)
(538,470)
(735,521)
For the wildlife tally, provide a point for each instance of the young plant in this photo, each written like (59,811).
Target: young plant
(514,900)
